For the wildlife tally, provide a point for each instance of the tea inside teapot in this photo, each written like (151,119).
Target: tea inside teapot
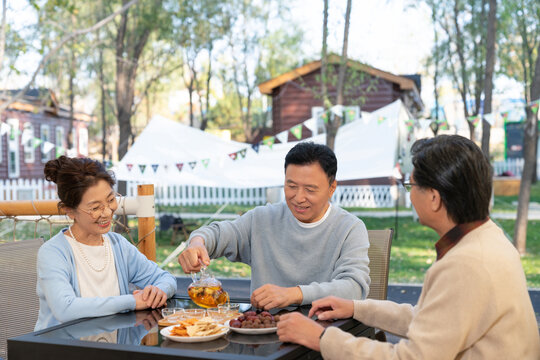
(207,292)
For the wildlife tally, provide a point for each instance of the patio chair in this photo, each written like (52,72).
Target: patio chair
(380,243)
(19,304)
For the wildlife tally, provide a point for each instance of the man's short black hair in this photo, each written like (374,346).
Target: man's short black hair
(457,168)
(307,152)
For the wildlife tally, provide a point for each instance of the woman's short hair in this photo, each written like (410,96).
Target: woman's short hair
(307,152)
(73,176)
(458,169)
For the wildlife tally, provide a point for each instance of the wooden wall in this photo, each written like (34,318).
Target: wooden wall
(292,102)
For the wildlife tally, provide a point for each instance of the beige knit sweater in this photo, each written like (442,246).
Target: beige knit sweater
(474,305)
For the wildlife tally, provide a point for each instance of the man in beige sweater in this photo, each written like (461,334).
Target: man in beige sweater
(474,302)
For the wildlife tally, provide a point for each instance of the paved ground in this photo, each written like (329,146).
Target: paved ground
(410,294)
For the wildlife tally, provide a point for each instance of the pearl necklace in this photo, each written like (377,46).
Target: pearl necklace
(105,245)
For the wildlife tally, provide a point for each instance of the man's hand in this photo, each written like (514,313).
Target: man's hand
(150,297)
(296,328)
(332,307)
(194,256)
(271,296)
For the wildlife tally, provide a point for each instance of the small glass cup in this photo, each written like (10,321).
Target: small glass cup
(194,313)
(171,311)
(216,315)
(229,311)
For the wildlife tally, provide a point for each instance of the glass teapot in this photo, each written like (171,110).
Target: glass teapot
(207,291)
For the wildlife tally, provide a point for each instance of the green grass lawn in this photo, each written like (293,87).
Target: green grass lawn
(412,252)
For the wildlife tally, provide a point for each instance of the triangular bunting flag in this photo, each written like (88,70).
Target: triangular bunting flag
(409,124)
(324,116)
(233,155)
(155,167)
(255,147)
(108,164)
(4,128)
(243,153)
(60,151)
(504,115)
(142,167)
(205,162)
(297,131)
(534,107)
(490,118)
(179,166)
(71,152)
(381,119)
(129,167)
(14,133)
(47,147)
(311,124)
(475,120)
(283,137)
(37,142)
(424,123)
(337,110)
(192,164)
(443,125)
(269,141)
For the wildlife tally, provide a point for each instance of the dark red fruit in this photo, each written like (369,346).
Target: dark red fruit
(235,324)
(250,313)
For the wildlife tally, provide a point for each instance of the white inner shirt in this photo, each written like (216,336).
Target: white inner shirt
(313,224)
(93,283)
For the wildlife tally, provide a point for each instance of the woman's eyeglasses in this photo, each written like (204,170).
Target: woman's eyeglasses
(98,210)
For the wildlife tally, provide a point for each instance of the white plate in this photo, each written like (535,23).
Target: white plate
(166,332)
(252,331)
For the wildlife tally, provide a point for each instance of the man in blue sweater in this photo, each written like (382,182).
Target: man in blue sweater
(299,251)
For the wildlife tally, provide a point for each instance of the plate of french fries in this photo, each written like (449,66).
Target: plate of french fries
(195,330)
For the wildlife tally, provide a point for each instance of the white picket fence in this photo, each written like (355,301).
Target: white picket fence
(515,166)
(184,195)
(27,189)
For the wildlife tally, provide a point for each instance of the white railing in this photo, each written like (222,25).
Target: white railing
(375,196)
(27,189)
(367,196)
(186,195)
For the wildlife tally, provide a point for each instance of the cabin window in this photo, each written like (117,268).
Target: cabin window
(59,141)
(27,140)
(13,148)
(46,148)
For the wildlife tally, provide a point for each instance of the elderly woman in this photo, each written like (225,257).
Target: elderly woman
(85,270)
(474,302)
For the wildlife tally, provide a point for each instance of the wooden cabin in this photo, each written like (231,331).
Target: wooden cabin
(296,95)
(34,130)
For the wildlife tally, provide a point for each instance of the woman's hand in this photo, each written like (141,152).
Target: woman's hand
(332,307)
(297,328)
(194,256)
(150,297)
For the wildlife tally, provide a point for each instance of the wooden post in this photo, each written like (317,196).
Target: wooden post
(147,226)
(26,207)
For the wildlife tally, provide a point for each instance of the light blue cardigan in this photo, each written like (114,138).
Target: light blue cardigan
(58,288)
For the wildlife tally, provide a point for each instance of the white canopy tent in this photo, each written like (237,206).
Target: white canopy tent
(365,148)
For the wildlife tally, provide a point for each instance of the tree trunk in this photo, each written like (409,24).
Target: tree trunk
(103,119)
(128,52)
(334,124)
(529,154)
(490,66)
(324,57)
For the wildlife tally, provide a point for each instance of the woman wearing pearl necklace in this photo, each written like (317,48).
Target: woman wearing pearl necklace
(85,270)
